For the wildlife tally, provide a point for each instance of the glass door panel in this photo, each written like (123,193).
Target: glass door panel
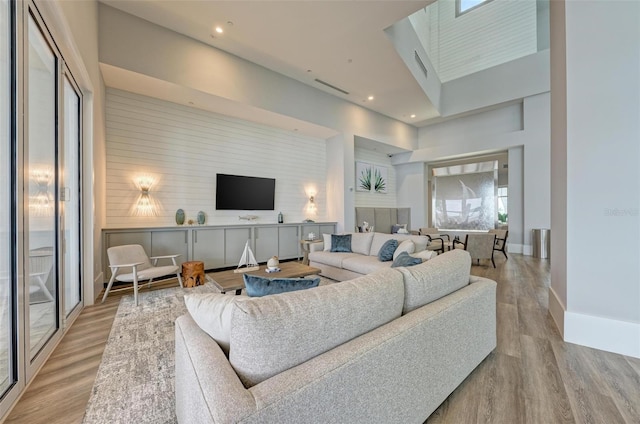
(7,352)
(70,175)
(40,176)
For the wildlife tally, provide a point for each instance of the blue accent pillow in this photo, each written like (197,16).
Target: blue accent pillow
(341,243)
(386,251)
(260,286)
(404,259)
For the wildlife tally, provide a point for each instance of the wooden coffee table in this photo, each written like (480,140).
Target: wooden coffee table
(228,280)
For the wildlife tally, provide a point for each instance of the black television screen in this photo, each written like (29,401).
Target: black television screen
(235,192)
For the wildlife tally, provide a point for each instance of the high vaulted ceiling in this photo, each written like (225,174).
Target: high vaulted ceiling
(340,42)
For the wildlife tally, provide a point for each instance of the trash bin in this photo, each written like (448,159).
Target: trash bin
(541,242)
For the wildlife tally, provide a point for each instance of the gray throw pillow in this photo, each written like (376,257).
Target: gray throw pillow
(404,259)
(341,243)
(260,286)
(386,251)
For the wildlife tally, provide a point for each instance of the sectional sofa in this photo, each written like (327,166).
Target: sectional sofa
(388,347)
(363,258)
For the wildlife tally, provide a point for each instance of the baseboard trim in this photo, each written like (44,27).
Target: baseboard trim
(557,310)
(97,288)
(616,336)
(523,249)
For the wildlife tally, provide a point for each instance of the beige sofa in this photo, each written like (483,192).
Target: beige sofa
(387,348)
(363,258)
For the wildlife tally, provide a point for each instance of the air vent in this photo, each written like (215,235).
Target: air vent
(420,63)
(332,86)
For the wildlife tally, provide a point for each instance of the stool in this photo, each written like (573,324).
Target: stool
(193,273)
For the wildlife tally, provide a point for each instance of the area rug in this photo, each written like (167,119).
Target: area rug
(135,381)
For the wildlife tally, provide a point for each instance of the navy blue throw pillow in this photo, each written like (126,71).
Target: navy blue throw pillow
(404,259)
(260,286)
(341,243)
(386,251)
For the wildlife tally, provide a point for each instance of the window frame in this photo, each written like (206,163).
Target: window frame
(460,12)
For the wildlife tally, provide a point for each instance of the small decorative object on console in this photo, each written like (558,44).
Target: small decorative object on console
(311,236)
(180,217)
(201,218)
(280,218)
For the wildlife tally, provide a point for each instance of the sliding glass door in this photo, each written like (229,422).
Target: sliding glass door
(70,197)
(41,178)
(7,288)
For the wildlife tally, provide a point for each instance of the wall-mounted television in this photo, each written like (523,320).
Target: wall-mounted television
(237,192)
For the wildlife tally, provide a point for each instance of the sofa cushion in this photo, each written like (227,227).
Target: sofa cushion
(326,238)
(341,243)
(386,251)
(435,278)
(274,333)
(364,264)
(406,246)
(331,258)
(212,312)
(257,286)
(405,260)
(361,243)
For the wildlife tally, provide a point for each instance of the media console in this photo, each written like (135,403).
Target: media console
(218,246)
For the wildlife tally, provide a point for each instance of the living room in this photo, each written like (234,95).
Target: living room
(553,142)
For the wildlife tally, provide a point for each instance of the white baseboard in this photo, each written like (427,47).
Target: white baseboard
(98,285)
(621,337)
(523,249)
(556,309)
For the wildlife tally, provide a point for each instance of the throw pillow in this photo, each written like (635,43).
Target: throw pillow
(424,255)
(404,259)
(212,312)
(386,251)
(341,243)
(260,286)
(406,246)
(326,245)
(397,227)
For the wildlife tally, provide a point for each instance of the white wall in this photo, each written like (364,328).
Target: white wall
(490,35)
(183,148)
(498,130)
(412,189)
(599,131)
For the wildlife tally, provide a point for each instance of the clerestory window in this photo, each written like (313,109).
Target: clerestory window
(464,6)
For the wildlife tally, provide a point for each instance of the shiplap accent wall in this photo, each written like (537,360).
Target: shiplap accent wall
(183,148)
(378,200)
(494,33)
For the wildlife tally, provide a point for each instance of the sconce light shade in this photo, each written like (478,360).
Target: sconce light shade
(311,199)
(145,204)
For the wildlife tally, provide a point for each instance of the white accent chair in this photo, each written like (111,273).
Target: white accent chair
(479,246)
(437,241)
(133,256)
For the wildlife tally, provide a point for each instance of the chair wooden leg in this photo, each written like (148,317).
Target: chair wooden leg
(113,277)
(504,252)
(492,261)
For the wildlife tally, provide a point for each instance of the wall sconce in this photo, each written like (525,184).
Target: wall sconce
(145,205)
(41,204)
(311,206)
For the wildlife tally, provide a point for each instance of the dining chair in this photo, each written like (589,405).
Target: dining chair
(133,256)
(501,241)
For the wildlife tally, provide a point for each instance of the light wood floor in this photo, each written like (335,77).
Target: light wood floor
(531,377)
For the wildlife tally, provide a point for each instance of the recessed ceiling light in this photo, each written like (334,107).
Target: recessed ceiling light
(219,30)
(413,115)
(370,98)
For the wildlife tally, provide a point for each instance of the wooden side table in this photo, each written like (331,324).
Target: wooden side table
(193,273)
(306,248)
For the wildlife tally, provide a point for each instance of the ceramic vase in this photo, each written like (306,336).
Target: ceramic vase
(201,218)
(180,217)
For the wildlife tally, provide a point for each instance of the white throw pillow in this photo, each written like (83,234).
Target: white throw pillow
(425,255)
(326,238)
(406,246)
(212,312)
